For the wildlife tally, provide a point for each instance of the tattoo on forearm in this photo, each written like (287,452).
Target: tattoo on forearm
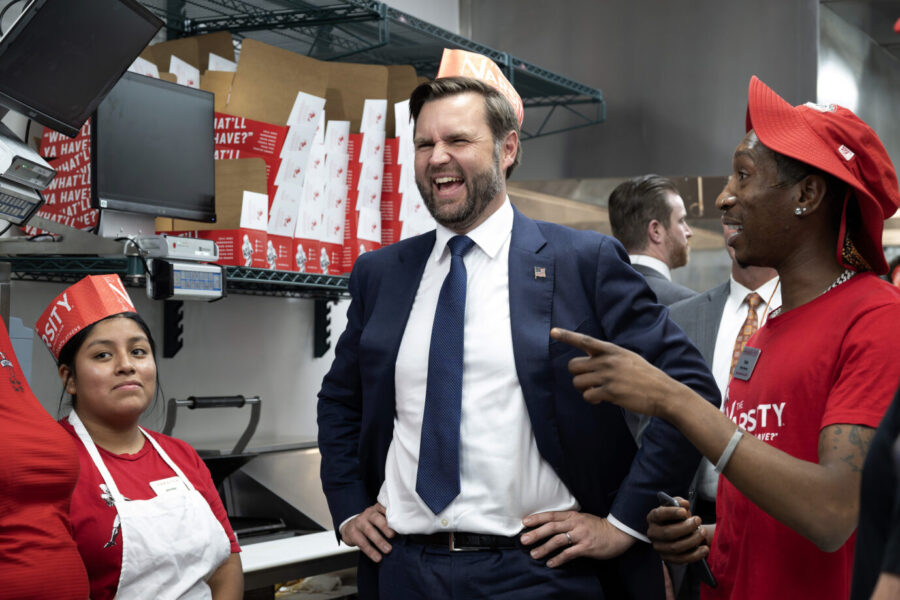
(855,441)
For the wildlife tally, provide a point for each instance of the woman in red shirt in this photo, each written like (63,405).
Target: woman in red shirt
(146,516)
(37,476)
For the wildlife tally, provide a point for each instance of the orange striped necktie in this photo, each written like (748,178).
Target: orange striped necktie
(751,324)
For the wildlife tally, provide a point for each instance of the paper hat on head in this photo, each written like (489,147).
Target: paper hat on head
(836,141)
(460,63)
(93,298)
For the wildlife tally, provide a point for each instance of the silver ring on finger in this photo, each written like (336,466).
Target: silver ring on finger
(569,537)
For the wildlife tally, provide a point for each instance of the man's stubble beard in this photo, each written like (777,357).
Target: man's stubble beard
(480,191)
(681,257)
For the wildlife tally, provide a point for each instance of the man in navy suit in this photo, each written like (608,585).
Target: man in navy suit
(530,453)
(647,215)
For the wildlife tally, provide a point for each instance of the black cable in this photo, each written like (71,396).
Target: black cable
(3,12)
(5,229)
(140,253)
(41,235)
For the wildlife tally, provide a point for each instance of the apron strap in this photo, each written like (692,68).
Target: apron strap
(85,438)
(91,447)
(169,461)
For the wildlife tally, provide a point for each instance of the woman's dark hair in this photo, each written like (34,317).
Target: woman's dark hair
(68,352)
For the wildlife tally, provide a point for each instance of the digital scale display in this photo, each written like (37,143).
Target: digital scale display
(172,280)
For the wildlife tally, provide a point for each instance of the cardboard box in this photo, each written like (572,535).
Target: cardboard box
(283,216)
(192,50)
(331,259)
(302,250)
(318,237)
(402,80)
(349,86)
(267,81)
(391,150)
(313,256)
(280,252)
(390,206)
(239,137)
(219,83)
(362,234)
(390,231)
(390,181)
(57,145)
(246,245)
(68,197)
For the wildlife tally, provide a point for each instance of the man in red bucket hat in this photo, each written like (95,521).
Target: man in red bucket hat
(810,190)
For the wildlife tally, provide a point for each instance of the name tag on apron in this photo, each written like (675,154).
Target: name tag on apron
(168,486)
(746,363)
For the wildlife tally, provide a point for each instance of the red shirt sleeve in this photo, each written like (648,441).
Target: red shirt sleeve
(867,371)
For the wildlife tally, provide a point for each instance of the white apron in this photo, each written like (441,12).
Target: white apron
(171,543)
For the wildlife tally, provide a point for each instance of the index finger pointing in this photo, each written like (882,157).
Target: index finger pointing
(589,344)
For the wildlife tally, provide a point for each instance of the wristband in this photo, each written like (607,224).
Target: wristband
(729,450)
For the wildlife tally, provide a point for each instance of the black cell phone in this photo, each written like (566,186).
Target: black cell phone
(701,567)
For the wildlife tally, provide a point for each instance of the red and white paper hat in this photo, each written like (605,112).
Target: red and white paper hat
(461,63)
(84,303)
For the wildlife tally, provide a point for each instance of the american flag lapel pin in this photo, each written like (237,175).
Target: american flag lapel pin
(540,273)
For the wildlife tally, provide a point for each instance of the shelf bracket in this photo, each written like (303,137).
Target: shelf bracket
(175,19)
(173,331)
(322,328)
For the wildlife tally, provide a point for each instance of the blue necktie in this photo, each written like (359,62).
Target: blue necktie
(437,481)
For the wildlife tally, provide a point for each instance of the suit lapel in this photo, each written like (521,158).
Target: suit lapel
(709,319)
(531,287)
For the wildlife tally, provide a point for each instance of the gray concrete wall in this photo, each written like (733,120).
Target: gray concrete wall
(674,75)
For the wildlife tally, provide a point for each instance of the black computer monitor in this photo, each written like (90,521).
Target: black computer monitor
(61,57)
(152,146)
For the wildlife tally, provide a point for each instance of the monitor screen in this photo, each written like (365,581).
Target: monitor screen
(152,146)
(61,57)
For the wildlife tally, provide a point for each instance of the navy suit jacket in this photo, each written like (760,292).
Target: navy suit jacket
(588,287)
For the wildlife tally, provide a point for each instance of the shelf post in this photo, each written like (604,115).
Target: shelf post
(175,26)
(173,331)
(322,328)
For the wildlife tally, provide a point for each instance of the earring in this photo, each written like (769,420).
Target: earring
(800,210)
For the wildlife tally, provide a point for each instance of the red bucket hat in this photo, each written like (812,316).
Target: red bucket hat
(93,298)
(835,140)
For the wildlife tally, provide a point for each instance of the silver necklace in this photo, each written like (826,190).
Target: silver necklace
(844,277)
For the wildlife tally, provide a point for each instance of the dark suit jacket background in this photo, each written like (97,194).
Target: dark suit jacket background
(699,317)
(667,292)
(588,287)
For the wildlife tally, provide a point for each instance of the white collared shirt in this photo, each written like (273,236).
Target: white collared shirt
(503,476)
(734,314)
(652,262)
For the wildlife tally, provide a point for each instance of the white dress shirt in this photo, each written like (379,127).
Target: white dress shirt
(503,476)
(653,263)
(733,316)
